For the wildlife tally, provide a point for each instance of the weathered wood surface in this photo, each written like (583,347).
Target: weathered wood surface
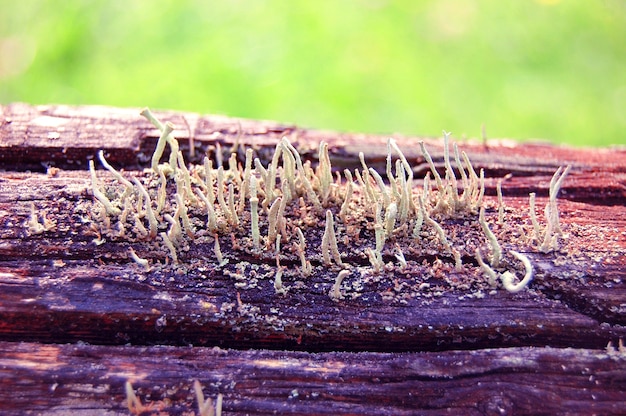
(62,287)
(90,379)
(59,286)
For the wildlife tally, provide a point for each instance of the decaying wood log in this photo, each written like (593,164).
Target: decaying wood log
(62,282)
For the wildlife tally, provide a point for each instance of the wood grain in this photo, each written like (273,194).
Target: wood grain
(90,379)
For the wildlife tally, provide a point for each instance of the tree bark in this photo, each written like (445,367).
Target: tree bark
(453,346)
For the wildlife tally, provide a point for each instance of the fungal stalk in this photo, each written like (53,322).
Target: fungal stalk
(329,242)
(245,186)
(211,218)
(170,246)
(218,252)
(392,179)
(147,114)
(372,257)
(162,192)
(141,230)
(220,194)
(233,217)
(379,234)
(533,217)
(208,179)
(381,186)
(509,278)
(311,195)
(346,201)
(407,181)
(454,195)
(481,189)
(34,227)
(219,155)
(132,401)
(496,250)
(205,407)
(306,267)
(278,282)
(185,178)
(280,216)
(429,221)
(272,219)
(181,211)
(233,169)
(426,187)
(400,257)
(335,291)
(260,169)
(500,202)
(270,180)
(553,228)
(254,213)
(160,147)
(390,218)
(364,180)
(108,206)
(141,262)
(492,276)
(457,159)
(433,169)
(323,172)
(129,186)
(406,201)
(151,218)
(419,221)
(174,233)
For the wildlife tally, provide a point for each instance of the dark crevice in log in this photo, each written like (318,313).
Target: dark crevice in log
(599,304)
(120,310)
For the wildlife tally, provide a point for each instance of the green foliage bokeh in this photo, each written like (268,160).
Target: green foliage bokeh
(546,69)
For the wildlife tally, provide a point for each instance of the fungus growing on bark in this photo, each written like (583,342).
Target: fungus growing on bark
(306,207)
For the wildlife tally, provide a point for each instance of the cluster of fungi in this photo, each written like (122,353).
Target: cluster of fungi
(301,219)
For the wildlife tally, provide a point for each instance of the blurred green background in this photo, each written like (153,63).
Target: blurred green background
(554,70)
